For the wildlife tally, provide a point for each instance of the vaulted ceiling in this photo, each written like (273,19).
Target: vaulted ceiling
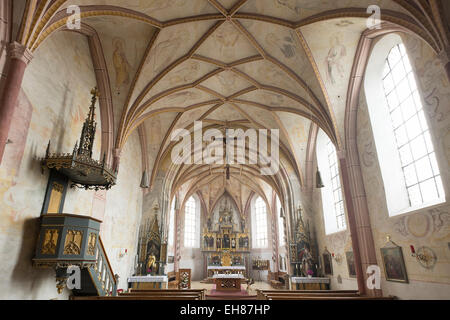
(273,64)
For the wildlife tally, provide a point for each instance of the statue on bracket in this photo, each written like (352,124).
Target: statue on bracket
(242,225)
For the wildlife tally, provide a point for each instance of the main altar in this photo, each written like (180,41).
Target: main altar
(226,243)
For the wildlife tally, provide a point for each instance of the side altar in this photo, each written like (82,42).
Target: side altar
(225,243)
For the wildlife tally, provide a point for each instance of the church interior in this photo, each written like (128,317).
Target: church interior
(118,173)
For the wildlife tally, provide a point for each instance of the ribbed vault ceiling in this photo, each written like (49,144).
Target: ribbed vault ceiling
(264,64)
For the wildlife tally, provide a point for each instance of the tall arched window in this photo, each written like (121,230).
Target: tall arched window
(171,224)
(332,199)
(281,238)
(261,223)
(338,201)
(412,135)
(190,223)
(405,151)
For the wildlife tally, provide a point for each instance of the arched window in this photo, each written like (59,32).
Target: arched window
(338,201)
(405,150)
(332,199)
(412,135)
(281,238)
(171,224)
(261,223)
(190,224)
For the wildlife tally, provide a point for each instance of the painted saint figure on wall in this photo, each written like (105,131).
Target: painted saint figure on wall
(333,60)
(121,65)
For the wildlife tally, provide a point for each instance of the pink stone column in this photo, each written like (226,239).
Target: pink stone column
(176,240)
(19,57)
(447,69)
(116,159)
(352,223)
(359,222)
(444,56)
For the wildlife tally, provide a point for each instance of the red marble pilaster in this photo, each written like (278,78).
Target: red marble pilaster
(444,56)
(176,240)
(352,223)
(447,69)
(19,57)
(359,222)
(116,159)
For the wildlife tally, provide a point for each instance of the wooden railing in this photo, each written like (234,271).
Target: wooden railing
(102,274)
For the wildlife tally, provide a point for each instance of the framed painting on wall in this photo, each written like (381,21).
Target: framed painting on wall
(327,263)
(394,264)
(351,264)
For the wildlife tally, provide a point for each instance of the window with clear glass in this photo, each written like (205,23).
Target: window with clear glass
(338,201)
(261,223)
(171,224)
(281,238)
(412,134)
(189,223)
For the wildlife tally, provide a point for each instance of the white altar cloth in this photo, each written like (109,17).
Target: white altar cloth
(226,268)
(309,280)
(228,276)
(148,279)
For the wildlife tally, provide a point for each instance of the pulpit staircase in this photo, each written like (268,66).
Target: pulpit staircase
(98,280)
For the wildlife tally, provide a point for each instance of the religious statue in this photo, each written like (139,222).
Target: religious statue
(242,224)
(233,243)
(226,216)
(206,241)
(226,241)
(218,243)
(307,263)
(151,264)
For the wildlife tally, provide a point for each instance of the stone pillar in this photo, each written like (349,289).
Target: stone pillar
(116,159)
(19,57)
(444,56)
(359,222)
(176,236)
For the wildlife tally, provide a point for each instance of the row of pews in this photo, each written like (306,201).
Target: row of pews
(200,294)
(315,295)
(163,294)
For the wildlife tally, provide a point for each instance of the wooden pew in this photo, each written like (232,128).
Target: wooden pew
(163,294)
(138,292)
(315,295)
(289,297)
(262,293)
(145,297)
(225,297)
(174,280)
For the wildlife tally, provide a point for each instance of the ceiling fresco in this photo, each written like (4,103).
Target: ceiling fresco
(263,64)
